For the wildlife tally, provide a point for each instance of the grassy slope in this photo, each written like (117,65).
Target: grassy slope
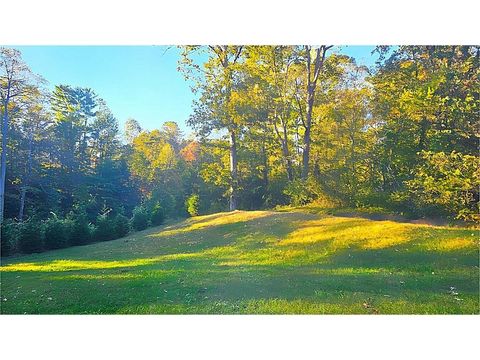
(255,262)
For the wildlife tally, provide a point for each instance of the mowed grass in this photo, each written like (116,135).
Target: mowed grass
(300,261)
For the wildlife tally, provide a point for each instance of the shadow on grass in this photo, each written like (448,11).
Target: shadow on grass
(297,238)
(198,286)
(155,246)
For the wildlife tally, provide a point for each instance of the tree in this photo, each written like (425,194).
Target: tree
(173,135)
(33,124)
(427,98)
(152,158)
(313,60)
(271,94)
(132,130)
(341,147)
(16,81)
(104,134)
(216,81)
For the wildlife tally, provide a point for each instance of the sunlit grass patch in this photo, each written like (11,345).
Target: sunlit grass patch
(339,233)
(98,277)
(264,257)
(452,244)
(70,265)
(445,239)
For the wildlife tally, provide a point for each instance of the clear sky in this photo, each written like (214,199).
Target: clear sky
(136,81)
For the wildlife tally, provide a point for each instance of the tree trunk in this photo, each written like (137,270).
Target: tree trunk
(233,171)
(283,141)
(286,153)
(316,170)
(288,161)
(265,165)
(306,136)
(26,179)
(265,155)
(306,154)
(311,86)
(3,164)
(23,194)
(423,134)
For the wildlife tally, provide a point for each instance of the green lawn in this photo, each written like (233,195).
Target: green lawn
(298,261)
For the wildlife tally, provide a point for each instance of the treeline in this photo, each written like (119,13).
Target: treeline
(274,125)
(302,123)
(68,179)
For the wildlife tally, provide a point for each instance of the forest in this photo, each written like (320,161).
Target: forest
(272,126)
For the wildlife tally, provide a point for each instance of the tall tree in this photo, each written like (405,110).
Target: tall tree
(33,124)
(313,60)
(173,134)
(271,93)
(132,130)
(214,111)
(16,81)
(104,141)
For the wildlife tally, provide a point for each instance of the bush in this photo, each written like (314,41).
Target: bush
(121,226)
(157,215)
(192,204)
(448,183)
(81,231)
(275,194)
(299,193)
(9,237)
(30,237)
(105,229)
(140,218)
(55,234)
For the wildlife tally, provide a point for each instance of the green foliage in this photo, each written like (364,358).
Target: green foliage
(9,237)
(168,197)
(275,194)
(81,230)
(56,233)
(448,183)
(121,225)
(192,204)
(157,215)
(140,218)
(299,193)
(30,238)
(104,228)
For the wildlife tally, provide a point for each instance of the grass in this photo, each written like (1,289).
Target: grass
(300,261)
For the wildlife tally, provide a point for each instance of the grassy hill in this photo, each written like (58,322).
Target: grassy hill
(299,261)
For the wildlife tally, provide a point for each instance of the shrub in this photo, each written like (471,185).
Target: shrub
(104,229)
(9,237)
(81,231)
(121,226)
(55,233)
(449,183)
(157,215)
(30,237)
(192,204)
(299,193)
(140,218)
(275,195)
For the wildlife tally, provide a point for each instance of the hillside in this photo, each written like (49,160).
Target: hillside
(295,261)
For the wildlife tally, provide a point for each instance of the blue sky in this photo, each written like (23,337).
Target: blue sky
(136,81)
